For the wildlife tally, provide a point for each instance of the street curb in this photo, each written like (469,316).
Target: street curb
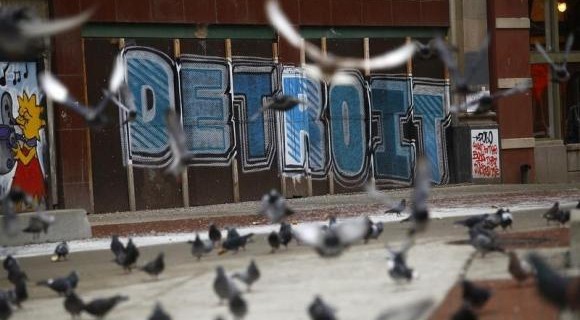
(70,224)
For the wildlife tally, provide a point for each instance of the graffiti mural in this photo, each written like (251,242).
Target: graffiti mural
(375,126)
(22,130)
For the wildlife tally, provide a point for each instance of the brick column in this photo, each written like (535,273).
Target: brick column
(509,56)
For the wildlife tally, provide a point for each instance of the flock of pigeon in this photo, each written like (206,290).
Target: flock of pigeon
(23,34)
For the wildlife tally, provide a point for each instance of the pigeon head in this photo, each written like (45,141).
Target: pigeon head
(220,271)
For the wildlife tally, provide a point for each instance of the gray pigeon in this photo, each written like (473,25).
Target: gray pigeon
(274,207)
(249,276)
(419,211)
(374,230)
(285,234)
(397,263)
(5,309)
(10,218)
(238,307)
(40,222)
(159,313)
(319,310)
(101,307)
(73,304)
(155,267)
(281,103)
(199,247)
(177,144)
(61,252)
(559,71)
(61,285)
(128,258)
(117,246)
(484,240)
(223,286)
(552,213)
(274,241)
(400,207)
(332,241)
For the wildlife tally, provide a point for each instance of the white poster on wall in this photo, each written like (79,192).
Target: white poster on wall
(485,154)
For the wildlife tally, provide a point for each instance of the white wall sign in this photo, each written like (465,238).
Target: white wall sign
(485,154)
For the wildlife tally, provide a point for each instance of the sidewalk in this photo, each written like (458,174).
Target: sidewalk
(458,197)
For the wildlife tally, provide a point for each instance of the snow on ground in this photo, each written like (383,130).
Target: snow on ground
(167,238)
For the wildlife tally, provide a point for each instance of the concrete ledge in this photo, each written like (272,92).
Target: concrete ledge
(518,143)
(512,23)
(575,237)
(71,224)
(508,83)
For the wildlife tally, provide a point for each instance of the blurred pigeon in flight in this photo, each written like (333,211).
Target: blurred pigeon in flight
(61,252)
(328,64)
(10,218)
(559,71)
(397,263)
(214,234)
(410,311)
(319,310)
(61,285)
(465,312)
(392,206)
(200,247)
(94,116)
(177,144)
(223,286)
(23,33)
(249,276)
(155,267)
(419,211)
(40,222)
(398,208)
(274,207)
(285,234)
(238,306)
(73,304)
(461,82)
(484,240)
(484,103)
(476,296)
(281,103)
(374,230)
(578,205)
(117,247)
(558,290)
(159,313)
(425,50)
(101,307)
(331,242)
(519,270)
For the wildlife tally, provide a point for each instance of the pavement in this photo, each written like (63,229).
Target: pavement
(356,283)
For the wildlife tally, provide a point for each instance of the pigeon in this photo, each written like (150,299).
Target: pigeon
(374,230)
(578,205)
(101,307)
(559,71)
(328,64)
(319,310)
(19,294)
(128,258)
(419,211)
(238,306)
(5,308)
(484,240)
(61,285)
(474,295)
(552,213)
(234,243)
(24,34)
(249,276)
(332,241)
(465,312)
(60,252)
(118,85)
(484,103)
(177,144)
(10,263)
(232,233)
(274,241)
(215,234)
(461,82)
(159,313)
(285,234)
(155,267)
(200,247)
(281,103)
(563,217)
(398,208)
(411,311)
(223,286)
(331,223)
(554,288)
(506,218)
(40,222)
(274,207)
(472,221)
(16,275)
(519,269)
(117,246)
(10,218)
(94,116)
(397,263)
(425,51)
(73,304)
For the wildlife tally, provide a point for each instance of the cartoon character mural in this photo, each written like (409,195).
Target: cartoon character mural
(373,126)
(22,130)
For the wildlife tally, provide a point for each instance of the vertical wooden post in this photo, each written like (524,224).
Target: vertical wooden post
(235,172)
(410,61)
(184,176)
(330,172)
(130,175)
(367,57)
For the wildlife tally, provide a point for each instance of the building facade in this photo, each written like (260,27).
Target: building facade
(216,61)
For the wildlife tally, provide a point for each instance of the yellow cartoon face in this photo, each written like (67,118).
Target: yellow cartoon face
(29,116)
